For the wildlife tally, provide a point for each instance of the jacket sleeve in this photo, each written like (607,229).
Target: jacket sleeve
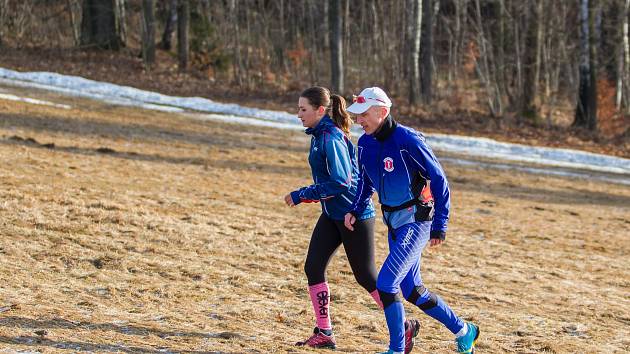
(365,189)
(339,167)
(426,162)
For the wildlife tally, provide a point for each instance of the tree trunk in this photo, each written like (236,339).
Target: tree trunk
(119,20)
(102,24)
(426,53)
(483,65)
(148,32)
(586,110)
(3,16)
(183,20)
(500,67)
(73,9)
(238,62)
(531,62)
(594,10)
(169,26)
(336,45)
(625,77)
(415,24)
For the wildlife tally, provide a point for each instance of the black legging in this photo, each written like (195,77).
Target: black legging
(359,245)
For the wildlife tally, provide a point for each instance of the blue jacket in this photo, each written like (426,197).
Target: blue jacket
(388,162)
(335,173)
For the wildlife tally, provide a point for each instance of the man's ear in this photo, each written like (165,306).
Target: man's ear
(384,112)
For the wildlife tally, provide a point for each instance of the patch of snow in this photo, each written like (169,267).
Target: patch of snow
(233,113)
(6,96)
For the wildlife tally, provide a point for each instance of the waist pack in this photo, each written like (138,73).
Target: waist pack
(423,204)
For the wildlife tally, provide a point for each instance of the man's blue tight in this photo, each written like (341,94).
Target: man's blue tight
(401,271)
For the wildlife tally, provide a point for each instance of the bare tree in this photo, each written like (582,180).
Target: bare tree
(426,52)
(169,26)
(3,15)
(148,31)
(414,8)
(623,78)
(483,66)
(102,24)
(586,110)
(238,62)
(336,45)
(183,22)
(531,61)
(74,8)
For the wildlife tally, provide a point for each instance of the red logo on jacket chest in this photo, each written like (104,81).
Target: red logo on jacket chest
(388,163)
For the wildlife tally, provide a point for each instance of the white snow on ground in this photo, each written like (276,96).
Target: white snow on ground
(461,145)
(6,96)
(483,147)
(557,171)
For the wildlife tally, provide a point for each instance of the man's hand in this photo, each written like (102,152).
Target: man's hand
(289,200)
(348,221)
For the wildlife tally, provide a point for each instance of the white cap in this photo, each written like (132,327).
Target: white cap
(371,96)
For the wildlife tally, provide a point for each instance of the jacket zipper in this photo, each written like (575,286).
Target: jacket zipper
(381,171)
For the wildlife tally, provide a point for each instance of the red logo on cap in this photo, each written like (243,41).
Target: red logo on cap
(358,99)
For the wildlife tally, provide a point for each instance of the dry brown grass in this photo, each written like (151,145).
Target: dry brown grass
(149,232)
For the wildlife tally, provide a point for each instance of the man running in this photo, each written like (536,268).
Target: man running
(413,191)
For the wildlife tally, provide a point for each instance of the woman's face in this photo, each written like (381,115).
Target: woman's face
(308,114)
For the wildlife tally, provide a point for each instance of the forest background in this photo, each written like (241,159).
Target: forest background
(542,72)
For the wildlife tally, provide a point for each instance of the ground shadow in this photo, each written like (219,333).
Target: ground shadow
(131,155)
(90,347)
(134,131)
(570,196)
(60,323)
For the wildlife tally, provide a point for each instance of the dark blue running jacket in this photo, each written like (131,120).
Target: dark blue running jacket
(388,162)
(335,173)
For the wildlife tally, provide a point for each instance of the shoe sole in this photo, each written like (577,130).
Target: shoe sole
(475,340)
(327,346)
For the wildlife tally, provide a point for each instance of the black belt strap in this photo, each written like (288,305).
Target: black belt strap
(402,206)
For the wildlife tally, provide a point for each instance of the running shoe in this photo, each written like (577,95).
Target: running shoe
(412,327)
(319,340)
(466,343)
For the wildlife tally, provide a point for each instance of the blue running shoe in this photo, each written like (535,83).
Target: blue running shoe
(390,352)
(466,344)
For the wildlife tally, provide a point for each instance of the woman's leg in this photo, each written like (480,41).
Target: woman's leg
(324,242)
(359,246)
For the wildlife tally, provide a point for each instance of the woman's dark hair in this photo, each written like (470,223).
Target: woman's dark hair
(335,106)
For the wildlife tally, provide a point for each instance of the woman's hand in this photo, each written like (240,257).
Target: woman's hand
(289,200)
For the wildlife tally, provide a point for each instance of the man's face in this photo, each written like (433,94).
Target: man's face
(371,119)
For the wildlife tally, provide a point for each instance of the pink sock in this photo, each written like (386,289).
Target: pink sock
(320,297)
(377,298)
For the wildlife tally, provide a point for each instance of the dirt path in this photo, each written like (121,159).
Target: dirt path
(134,231)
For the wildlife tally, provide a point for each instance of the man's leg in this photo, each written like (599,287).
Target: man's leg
(415,292)
(404,250)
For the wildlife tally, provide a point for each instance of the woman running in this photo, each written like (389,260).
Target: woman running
(334,168)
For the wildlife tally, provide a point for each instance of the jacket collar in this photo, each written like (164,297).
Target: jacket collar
(386,129)
(324,123)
